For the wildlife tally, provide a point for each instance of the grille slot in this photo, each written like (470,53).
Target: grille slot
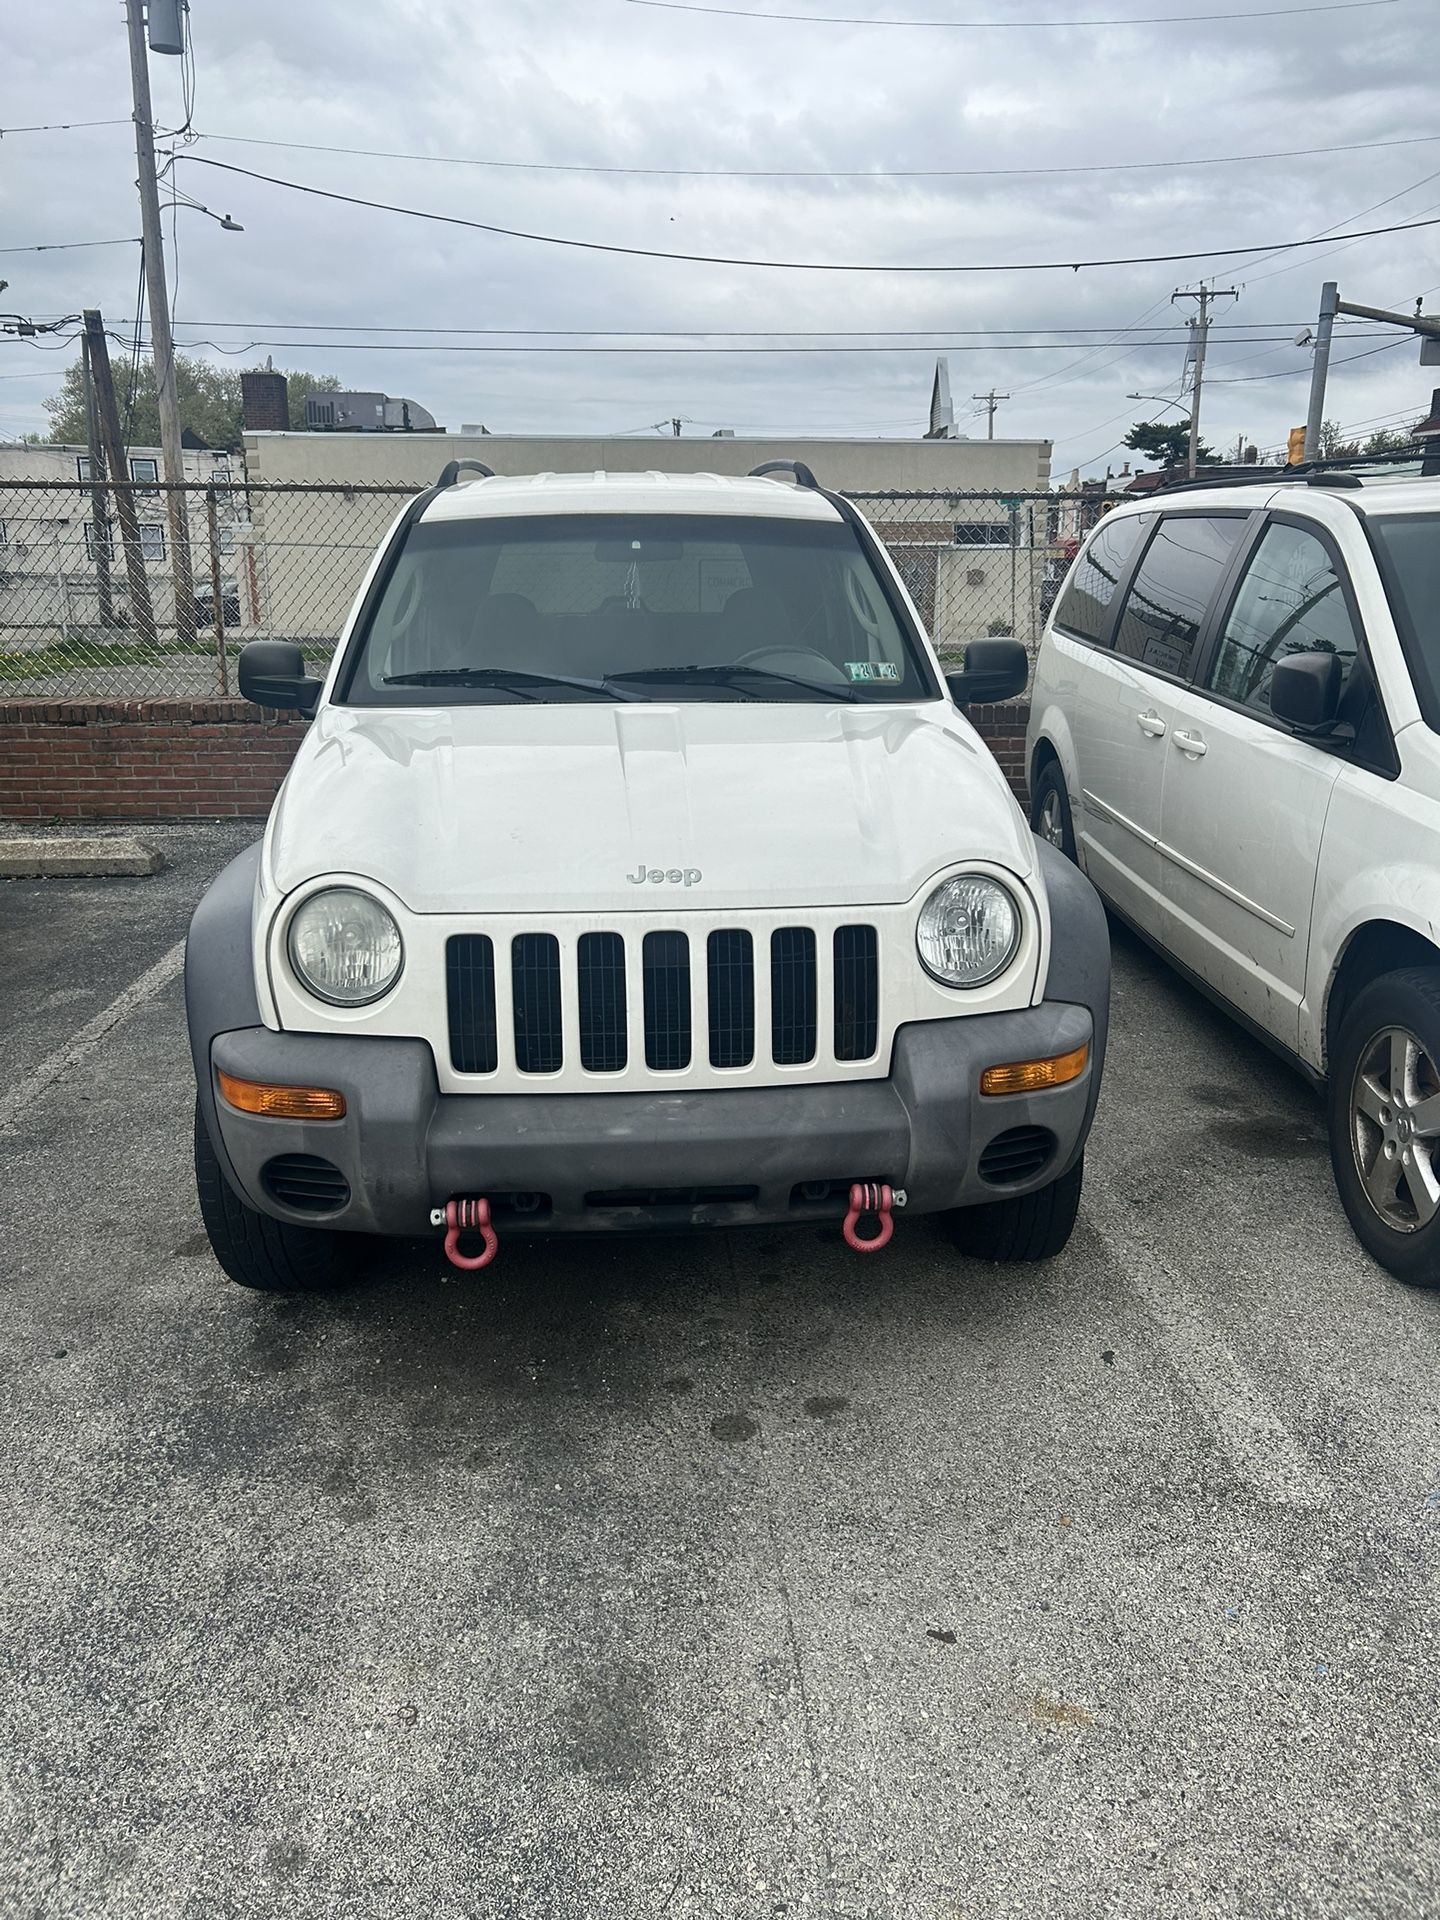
(600,962)
(731,974)
(665,967)
(470,987)
(857,993)
(305,1182)
(673,1197)
(535,990)
(1017,1154)
(792,996)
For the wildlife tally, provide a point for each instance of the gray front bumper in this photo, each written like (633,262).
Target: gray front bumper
(404,1147)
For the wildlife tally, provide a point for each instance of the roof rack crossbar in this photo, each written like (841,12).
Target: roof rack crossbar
(452,470)
(803,476)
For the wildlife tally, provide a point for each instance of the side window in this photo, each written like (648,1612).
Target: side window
(1291,600)
(1165,607)
(1084,607)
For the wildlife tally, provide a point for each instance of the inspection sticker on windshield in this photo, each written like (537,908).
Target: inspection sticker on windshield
(872,669)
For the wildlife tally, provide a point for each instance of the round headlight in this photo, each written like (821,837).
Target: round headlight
(346,947)
(969,930)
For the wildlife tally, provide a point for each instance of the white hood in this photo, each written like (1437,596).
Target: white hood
(552,808)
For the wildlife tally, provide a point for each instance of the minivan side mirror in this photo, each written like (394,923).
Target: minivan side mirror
(1305,690)
(272,674)
(994,670)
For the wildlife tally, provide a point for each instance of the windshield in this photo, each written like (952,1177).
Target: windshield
(1408,546)
(590,607)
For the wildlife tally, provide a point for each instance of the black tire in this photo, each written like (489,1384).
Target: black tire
(1031,1226)
(255,1250)
(1409,1000)
(1050,793)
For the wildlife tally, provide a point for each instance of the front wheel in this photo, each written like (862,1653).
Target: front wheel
(1385,1122)
(1050,816)
(270,1255)
(1031,1226)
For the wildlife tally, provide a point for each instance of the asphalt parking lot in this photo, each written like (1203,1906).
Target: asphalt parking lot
(723,1577)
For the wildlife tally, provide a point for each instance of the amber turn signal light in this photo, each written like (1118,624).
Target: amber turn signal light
(1031,1076)
(281,1103)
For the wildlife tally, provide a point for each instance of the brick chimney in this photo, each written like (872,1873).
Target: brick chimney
(265,402)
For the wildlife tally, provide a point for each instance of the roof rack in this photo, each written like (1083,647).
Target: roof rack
(803,476)
(452,470)
(1345,472)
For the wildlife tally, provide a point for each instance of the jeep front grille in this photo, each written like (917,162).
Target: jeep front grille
(600,974)
(792,996)
(585,996)
(470,989)
(731,953)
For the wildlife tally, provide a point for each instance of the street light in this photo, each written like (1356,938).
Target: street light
(186,204)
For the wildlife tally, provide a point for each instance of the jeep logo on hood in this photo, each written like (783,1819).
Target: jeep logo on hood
(665,876)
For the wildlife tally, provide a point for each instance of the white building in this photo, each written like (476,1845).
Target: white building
(63,568)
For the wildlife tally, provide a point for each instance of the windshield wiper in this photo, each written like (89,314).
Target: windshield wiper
(726,676)
(510,679)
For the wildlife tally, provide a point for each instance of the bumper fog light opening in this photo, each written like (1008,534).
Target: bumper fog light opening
(1034,1076)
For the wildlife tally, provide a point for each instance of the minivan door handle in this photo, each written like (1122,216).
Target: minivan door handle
(1150,723)
(1190,743)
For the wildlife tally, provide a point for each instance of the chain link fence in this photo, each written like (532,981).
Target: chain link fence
(94,605)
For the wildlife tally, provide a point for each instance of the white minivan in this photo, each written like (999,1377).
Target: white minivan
(1235,730)
(639,869)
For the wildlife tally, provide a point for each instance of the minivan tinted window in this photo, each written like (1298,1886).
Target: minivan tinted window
(1408,546)
(1084,607)
(1291,600)
(1166,604)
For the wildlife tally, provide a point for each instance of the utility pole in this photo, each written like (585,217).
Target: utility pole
(99,511)
(1320,367)
(990,401)
(1426,326)
(162,347)
(1200,328)
(108,420)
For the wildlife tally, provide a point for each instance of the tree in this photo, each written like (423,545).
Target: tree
(208,396)
(1389,440)
(1169,445)
(1332,447)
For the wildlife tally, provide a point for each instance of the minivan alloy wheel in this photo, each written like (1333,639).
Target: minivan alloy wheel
(1395,1129)
(1050,823)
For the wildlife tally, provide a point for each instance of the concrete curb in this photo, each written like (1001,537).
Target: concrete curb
(95,857)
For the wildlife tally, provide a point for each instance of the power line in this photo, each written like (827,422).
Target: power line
(1123,20)
(1291,373)
(452,347)
(65,246)
(803,266)
(742,333)
(823,173)
(62,126)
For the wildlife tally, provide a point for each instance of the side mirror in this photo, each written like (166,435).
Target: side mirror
(994,670)
(272,674)
(1305,691)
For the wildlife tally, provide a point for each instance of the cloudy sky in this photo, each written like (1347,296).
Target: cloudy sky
(634,125)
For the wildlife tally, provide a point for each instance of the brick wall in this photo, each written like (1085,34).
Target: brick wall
(1003,731)
(141,759)
(201,759)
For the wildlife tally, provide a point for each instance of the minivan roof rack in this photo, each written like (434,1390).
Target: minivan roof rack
(452,470)
(803,476)
(1348,471)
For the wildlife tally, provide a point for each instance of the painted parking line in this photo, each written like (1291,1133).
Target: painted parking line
(56,1065)
(1261,1448)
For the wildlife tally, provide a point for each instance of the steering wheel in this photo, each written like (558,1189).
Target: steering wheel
(792,659)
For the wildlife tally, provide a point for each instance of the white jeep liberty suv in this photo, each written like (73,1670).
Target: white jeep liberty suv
(639,869)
